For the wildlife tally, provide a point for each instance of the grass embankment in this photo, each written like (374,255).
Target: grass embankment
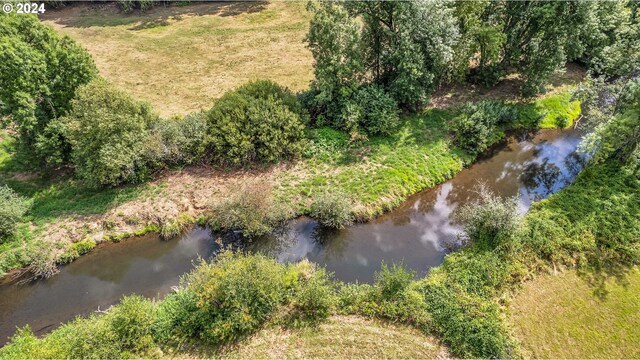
(560,316)
(344,337)
(181,58)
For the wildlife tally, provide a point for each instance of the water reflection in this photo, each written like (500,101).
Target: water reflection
(419,232)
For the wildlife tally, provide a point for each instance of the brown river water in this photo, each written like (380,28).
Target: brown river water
(417,234)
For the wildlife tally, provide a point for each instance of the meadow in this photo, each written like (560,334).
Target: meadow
(181,58)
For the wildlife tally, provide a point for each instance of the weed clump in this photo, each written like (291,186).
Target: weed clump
(332,209)
(251,210)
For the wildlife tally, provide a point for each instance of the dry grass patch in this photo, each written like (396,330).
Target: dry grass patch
(342,337)
(562,317)
(181,58)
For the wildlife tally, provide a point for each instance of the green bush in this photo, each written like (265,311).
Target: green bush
(177,141)
(130,5)
(108,130)
(258,122)
(179,318)
(477,126)
(392,281)
(393,296)
(88,338)
(332,209)
(314,296)
(238,294)
(489,220)
(379,111)
(251,210)
(12,208)
(132,323)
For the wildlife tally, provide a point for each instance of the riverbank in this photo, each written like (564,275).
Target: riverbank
(376,176)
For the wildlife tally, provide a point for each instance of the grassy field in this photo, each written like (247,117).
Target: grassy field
(562,316)
(181,58)
(342,337)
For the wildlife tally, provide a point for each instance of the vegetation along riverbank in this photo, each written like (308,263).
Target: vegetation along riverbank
(69,215)
(402,96)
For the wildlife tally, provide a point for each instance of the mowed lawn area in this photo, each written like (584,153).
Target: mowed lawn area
(562,316)
(181,58)
(349,337)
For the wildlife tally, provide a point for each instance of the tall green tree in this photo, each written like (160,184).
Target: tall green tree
(39,74)
(540,38)
(403,46)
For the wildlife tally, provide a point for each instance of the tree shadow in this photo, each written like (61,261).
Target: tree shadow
(88,14)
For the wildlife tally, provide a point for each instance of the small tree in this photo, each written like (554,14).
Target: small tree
(258,122)
(107,130)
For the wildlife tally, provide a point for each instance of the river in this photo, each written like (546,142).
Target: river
(417,234)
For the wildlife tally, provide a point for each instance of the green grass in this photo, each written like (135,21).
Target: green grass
(550,111)
(561,317)
(380,174)
(342,337)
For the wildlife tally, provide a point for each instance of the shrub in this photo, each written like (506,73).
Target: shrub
(490,221)
(179,318)
(238,293)
(379,111)
(107,130)
(258,122)
(132,323)
(83,338)
(393,296)
(332,209)
(392,281)
(12,208)
(251,210)
(313,298)
(476,128)
(177,141)
(130,5)
(469,324)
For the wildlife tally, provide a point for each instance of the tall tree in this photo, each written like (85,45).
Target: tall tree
(39,73)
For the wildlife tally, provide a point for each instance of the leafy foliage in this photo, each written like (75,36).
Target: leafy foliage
(476,128)
(40,72)
(490,221)
(177,141)
(404,47)
(258,122)
(12,208)
(108,130)
(238,294)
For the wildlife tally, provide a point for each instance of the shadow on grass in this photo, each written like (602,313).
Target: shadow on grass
(83,15)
